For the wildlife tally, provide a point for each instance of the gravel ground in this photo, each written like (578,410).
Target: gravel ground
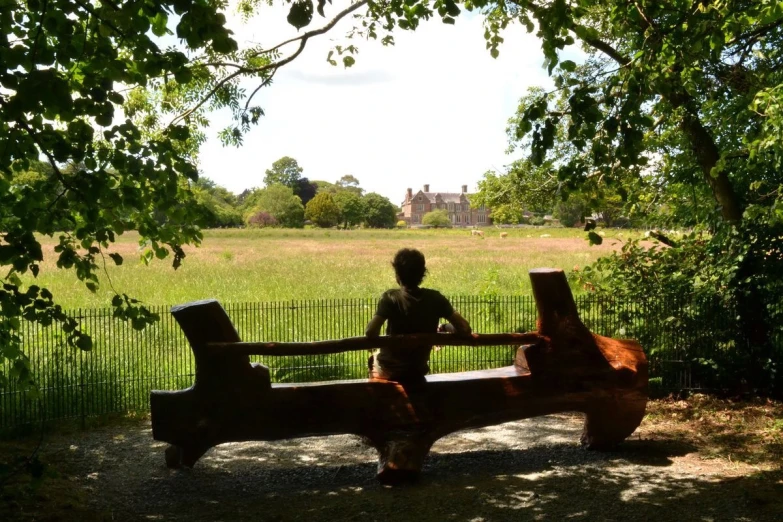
(526,470)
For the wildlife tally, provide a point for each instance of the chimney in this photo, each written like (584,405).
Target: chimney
(464,189)
(410,194)
(426,188)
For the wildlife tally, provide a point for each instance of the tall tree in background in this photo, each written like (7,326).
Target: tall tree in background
(694,87)
(352,208)
(306,190)
(379,211)
(323,211)
(279,201)
(217,206)
(285,171)
(349,183)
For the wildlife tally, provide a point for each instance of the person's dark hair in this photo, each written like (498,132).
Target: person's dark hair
(409,266)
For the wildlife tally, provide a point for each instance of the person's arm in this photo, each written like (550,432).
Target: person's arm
(374,326)
(459,325)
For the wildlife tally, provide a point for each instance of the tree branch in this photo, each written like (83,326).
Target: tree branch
(663,238)
(608,50)
(271,66)
(757,33)
(647,20)
(322,30)
(38,35)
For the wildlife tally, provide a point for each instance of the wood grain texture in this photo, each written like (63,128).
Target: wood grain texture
(562,367)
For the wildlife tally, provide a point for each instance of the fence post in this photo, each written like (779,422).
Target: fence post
(81,381)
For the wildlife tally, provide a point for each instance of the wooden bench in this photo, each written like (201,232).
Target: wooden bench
(561,367)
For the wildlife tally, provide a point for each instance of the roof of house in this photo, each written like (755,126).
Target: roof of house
(446,197)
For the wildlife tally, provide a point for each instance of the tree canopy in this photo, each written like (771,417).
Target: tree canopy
(379,211)
(285,171)
(278,201)
(352,208)
(672,98)
(322,210)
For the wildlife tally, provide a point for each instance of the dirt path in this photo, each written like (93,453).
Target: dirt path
(527,470)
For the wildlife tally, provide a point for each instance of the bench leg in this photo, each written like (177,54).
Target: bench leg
(178,456)
(609,423)
(401,456)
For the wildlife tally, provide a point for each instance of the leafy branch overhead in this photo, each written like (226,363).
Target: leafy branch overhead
(104,105)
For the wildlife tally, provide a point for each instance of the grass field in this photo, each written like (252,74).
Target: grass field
(274,265)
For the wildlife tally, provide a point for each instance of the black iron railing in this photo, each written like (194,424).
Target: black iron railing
(685,350)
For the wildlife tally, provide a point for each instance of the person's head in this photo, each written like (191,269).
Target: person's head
(409,267)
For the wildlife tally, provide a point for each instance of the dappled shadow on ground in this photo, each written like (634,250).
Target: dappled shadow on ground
(524,470)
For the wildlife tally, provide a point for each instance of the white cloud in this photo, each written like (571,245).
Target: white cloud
(431,109)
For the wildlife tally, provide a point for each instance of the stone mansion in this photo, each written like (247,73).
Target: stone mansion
(456,203)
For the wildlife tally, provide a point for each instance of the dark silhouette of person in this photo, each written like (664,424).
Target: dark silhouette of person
(410,309)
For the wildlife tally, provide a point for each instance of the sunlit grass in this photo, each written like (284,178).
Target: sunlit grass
(274,264)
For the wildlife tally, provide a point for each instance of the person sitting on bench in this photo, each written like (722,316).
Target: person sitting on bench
(410,309)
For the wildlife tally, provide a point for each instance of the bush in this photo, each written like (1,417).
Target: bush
(537,221)
(261,219)
(437,218)
(716,296)
(402,224)
(571,211)
(322,210)
(379,211)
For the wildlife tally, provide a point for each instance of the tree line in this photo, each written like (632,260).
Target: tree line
(290,200)
(675,114)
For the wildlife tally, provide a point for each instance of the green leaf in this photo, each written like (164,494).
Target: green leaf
(568,65)
(348,61)
(301,13)
(117,258)
(321,4)
(159,24)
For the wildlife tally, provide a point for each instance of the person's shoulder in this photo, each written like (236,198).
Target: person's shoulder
(431,293)
(390,294)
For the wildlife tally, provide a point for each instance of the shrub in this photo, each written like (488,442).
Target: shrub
(322,210)
(717,295)
(402,224)
(261,219)
(437,218)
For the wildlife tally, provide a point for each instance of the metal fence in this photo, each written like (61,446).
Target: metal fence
(125,364)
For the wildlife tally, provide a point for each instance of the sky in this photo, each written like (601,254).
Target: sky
(431,109)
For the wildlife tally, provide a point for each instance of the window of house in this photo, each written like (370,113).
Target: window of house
(419,198)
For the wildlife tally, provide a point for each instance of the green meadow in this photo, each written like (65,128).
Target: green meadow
(252,265)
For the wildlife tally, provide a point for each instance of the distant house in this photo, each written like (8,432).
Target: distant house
(457,204)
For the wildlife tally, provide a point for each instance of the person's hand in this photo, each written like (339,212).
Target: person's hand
(445,328)
(442,328)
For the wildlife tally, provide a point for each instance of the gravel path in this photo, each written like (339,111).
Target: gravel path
(526,470)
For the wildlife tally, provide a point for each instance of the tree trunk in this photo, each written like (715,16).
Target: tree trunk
(707,154)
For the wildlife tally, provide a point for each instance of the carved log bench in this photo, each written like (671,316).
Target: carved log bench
(561,367)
